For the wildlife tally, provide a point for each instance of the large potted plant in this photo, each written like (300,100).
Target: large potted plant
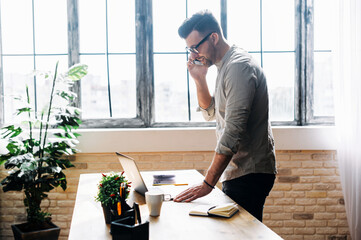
(38,148)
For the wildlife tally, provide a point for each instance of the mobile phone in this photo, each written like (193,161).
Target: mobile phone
(197,62)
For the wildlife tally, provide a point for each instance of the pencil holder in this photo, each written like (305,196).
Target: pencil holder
(126,229)
(110,212)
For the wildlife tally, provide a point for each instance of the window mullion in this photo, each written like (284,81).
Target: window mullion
(309,68)
(224,17)
(73,44)
(2,114)
(300,78)
(144,61)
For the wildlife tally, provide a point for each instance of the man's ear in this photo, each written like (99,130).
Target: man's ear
(215,38)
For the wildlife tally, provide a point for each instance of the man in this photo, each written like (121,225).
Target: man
(244,159)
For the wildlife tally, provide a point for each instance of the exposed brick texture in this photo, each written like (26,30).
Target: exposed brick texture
(306,201)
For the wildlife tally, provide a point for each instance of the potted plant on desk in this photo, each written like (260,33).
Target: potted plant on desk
(35,158)
(113,190)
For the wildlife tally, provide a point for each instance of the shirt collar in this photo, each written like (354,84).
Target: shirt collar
(225,57)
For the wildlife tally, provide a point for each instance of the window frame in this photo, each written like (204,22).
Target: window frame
(304,77)
(305,67)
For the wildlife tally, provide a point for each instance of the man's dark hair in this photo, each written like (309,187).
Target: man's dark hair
(204,22)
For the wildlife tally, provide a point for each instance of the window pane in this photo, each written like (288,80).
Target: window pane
(123,86)
(324,35)
(278,25)
(51,26)
(16,27)
(197,5)
(167,18)
(322,87)
(280,73)
(92,31)
(243,22)
(170,83)
(94,88)
(324,16)
(16,73)
(121,26)
(47,64)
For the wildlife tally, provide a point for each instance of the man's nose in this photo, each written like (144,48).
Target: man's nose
(194,55)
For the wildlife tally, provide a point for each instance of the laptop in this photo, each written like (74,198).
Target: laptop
(132,171)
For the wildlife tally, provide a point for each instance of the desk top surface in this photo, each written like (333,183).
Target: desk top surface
(174,221)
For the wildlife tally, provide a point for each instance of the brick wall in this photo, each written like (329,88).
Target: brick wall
(305,203)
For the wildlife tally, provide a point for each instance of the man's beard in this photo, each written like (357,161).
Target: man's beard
(208,62)
(205,61)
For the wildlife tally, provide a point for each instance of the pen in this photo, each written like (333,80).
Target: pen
(119,207)
(121,190)
(137,212)
(174,184)
(119,204)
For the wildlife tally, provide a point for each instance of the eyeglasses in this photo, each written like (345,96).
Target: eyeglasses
(195,48)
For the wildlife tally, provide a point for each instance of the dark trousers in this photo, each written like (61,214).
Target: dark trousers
(250,191)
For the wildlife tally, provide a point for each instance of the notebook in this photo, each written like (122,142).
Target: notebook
(132,171)
(226,210)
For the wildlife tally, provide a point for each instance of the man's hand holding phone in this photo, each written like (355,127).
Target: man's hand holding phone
(197,69)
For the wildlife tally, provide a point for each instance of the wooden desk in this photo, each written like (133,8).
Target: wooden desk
(174,221)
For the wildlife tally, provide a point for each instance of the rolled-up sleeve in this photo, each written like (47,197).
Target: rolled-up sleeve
(209,112)
(239,90)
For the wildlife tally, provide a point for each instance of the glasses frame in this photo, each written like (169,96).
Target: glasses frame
(195,48)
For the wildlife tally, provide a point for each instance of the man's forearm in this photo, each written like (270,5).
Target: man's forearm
(218,165)
(203,95)
(216,169)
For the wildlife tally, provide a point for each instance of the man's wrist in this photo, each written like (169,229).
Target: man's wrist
(209,185)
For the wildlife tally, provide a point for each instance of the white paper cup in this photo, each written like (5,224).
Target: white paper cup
(154,201)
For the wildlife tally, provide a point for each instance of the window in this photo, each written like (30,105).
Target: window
(33,36)
(137,62)
(267,30)
(107,45)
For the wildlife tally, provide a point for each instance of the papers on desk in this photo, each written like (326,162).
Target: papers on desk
(166,179)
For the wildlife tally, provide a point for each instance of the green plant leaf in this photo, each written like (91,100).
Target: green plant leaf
(77,72)
(13,148)
(68,151)
(67,95)
(11,131)
(77,134)
(64,163)
(28,166)
(51,169)
(19,160)
(2,161)
(23,110)
(12,182)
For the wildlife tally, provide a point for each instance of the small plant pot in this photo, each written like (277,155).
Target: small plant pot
(126,229)
(28,231)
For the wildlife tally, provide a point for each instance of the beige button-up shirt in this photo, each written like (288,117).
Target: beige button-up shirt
(240,107)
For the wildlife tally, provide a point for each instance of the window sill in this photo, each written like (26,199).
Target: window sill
(196,139)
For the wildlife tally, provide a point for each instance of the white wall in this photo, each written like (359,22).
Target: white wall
(196,139)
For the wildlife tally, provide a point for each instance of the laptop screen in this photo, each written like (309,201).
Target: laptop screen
(131,170)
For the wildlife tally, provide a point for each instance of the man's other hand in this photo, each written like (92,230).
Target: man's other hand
(193,193)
